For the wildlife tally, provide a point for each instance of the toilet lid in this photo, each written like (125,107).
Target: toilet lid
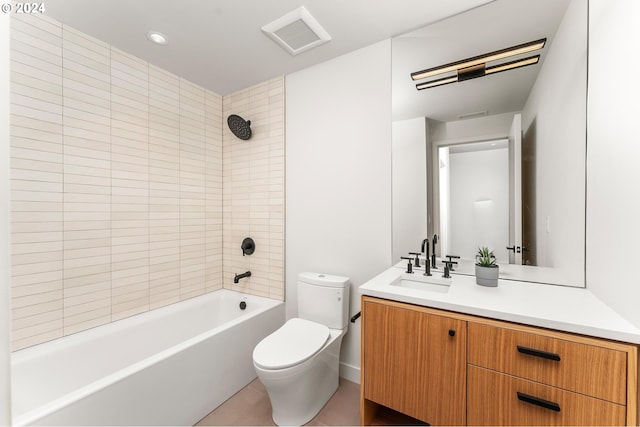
(296,341)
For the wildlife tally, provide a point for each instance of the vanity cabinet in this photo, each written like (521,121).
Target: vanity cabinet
(490,372)
(414,362)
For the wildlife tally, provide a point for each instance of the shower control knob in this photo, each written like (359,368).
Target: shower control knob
(248,246)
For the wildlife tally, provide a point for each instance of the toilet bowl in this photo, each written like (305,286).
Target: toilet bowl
(299,363)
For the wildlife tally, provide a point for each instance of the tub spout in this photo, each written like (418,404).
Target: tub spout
(241,276)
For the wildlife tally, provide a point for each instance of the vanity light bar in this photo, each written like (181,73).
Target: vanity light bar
(482,59)
(513,64)
(479,71)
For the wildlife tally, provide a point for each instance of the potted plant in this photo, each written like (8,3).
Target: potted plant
(486,268)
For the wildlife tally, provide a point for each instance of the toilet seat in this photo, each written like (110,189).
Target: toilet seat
(296,341)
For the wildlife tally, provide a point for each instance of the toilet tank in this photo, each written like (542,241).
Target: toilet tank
(323,298)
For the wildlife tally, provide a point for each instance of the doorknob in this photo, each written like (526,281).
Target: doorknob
(512,248)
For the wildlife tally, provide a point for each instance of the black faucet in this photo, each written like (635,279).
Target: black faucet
(447,267)
(451,261)
(433,255)
(427,266)
(241,276)
(409,265)
(416,262)
(425,246)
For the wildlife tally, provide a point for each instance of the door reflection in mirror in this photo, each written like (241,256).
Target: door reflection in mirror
(474,198)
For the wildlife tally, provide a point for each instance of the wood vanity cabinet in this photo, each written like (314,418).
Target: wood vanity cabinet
(490,372)
(414,362)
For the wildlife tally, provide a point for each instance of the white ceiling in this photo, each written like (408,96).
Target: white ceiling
(218,43)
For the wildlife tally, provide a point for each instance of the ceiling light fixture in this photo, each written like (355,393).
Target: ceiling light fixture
(479,71)
(477,66)
(157,38)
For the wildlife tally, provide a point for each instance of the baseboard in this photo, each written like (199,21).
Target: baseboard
(349,372)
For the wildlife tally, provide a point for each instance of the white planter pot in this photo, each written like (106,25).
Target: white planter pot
(487,276)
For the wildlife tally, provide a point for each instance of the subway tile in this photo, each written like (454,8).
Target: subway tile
(38,308)
(49,317)
(77,285)
(87,243)
(36,77)
(130,309)
(163,299)
(72,95)
(50,44)
(75,61)
(92,288)
(89,83)
(72,35)
(94,126)
(81,302)
(36,299)
(49,105)
(161,77)
(129,113)
(36,288)
(39,22)
(127,284)
(36,329)
(81,109)
(117,97)
(87,320)
(86,87)
(86,271)
(19,260)
(160,188)
(88,51)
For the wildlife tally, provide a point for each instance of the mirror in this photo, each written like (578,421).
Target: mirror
(497,160)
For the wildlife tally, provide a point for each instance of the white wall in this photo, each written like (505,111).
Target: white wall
(480,128)
(556,107)
(409,185)
(338,176)
(5,273)
(613,156)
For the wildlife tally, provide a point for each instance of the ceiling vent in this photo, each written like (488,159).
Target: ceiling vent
(297,31)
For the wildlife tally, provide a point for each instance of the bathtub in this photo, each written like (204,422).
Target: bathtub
(169,366)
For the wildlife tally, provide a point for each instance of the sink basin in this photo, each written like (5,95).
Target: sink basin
(417,280)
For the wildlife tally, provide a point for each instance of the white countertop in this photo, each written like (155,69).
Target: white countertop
(556,307)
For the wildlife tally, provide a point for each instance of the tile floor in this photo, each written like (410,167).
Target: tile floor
(251,407)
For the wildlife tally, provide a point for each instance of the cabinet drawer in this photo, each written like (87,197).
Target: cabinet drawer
(588,369)
(498,399)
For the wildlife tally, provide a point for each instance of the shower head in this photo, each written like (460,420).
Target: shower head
(239,126)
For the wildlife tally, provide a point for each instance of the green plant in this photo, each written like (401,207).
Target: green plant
(485,257)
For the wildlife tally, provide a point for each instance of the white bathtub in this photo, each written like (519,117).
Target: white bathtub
(169,366)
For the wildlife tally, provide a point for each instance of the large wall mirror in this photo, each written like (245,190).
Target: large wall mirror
(494,159)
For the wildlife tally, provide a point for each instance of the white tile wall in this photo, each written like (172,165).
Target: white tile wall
(117,184)
(129,185)
(87,186)
(164,187)
(120,171)
(37,180)
(253,197)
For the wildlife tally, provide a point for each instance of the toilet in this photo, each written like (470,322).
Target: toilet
(298,363)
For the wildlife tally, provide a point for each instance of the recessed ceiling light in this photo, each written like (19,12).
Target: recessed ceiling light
(157,38)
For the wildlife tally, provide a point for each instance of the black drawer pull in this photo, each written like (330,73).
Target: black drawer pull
(538,353)
(539,402)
